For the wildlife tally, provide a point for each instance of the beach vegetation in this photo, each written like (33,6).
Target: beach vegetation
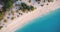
(38,1)
(25,8)
(7,17)
(20,13)
(20,0)
(7,5)
(44,0)
(29,1)
(5,20)
(12,18)
(12,12)
(50,0)
(1,27)
(17,11)
(32,8)
(1,15)
(17,15)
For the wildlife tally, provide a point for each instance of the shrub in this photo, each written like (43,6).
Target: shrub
(1,15)
(38,1)
(50,0)
(25,8)
(5,21)
(12,12)
(29,1)
(1,27)
(12,18)
(32,8)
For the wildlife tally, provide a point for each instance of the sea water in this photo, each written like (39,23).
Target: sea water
(48,23)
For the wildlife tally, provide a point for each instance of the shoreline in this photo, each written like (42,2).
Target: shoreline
(24,19)
(27,22)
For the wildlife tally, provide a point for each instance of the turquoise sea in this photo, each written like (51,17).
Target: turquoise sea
(48,23)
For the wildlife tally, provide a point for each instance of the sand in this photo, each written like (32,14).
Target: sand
(24,19)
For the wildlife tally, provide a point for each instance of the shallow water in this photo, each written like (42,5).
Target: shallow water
(47,23)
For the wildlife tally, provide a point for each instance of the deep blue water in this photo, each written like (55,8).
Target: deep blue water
(48,23)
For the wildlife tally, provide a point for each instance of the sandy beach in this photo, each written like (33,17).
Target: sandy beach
(24,19)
